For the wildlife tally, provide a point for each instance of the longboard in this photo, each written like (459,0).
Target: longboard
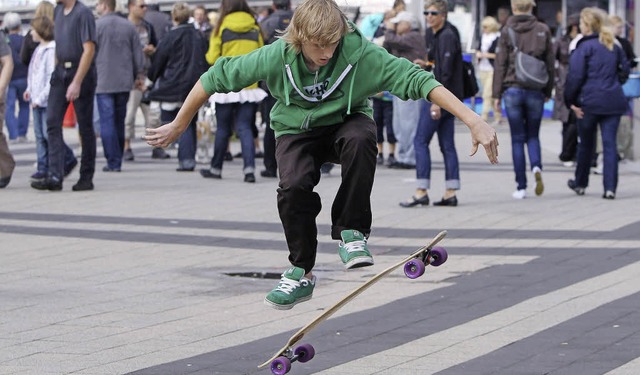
(414,267)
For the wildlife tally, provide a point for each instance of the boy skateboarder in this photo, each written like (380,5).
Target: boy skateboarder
(321,73)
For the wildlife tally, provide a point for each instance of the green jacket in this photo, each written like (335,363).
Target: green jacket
(358,70)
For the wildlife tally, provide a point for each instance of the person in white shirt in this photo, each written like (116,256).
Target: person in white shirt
(486,56)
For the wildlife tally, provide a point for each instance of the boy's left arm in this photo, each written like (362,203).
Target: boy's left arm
(481,132)
(169,133)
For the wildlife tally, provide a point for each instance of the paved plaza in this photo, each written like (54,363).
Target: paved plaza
(144,275)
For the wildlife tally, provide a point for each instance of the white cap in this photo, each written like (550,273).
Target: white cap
(406,16)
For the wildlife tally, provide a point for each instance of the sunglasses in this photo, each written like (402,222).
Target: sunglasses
(431,13)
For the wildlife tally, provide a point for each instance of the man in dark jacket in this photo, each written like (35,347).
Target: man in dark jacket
(175,67)
(524,105)
(445,57)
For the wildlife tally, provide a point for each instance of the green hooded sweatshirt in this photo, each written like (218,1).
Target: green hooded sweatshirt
(305,100)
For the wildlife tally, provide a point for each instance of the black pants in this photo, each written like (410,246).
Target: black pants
(351,144)
(56,109)
(269,142)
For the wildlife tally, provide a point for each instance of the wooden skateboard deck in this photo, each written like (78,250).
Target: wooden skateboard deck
(413,269)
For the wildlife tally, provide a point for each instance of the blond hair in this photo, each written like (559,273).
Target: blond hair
(320,21)
(180,12)
(524,6)
(44,9)
(491,24)
(596,19)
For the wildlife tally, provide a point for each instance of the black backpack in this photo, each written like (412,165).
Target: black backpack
(469,82)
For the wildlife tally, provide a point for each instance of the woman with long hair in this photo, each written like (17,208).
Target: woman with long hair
(594,93)
(236,33)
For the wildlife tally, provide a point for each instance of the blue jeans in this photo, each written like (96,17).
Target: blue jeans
(445,129)
(42,141)
(242,114)
(17,126)
(40,130)
(524,111)
(187,141)
(113,110)
(587,128)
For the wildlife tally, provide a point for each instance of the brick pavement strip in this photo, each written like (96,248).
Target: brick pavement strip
(131,277)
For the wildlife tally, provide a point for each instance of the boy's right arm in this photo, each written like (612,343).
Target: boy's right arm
(169,133)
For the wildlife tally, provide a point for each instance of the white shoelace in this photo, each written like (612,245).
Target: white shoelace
(354,246)
(287,285)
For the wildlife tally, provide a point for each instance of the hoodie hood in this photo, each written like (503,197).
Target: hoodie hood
(522,23)
(240,22)
(335,73)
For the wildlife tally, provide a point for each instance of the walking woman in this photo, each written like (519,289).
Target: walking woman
(594,92)
(523,102)
(237,33)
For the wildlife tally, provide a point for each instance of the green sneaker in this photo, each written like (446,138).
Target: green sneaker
(292,289)
(353,250)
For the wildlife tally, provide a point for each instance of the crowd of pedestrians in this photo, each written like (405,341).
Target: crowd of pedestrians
(110,64)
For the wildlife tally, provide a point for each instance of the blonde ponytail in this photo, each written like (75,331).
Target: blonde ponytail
(606,37)
(596,19)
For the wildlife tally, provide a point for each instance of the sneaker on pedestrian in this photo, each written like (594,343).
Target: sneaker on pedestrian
(569,164)
(268,173)
(159,153)
(250,178)
(128,155)
(519,194)
(353,249)
(38,176)
(292,289)
(609,195)
(4,181)
(51,183)
(597,169)
(380,159)
(537,174)
(82,185)
(391,159)
(208,173)
(573,186)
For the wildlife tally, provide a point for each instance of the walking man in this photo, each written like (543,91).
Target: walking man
(148,41)
(119,63)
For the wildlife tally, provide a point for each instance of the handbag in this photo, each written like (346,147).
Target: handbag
(531,72)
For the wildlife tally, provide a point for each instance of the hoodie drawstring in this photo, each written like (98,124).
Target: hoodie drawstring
(353,79)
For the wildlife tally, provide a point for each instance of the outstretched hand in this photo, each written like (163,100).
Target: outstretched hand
(162,136)
(485,135)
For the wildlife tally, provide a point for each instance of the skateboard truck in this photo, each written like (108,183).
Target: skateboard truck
(416,267)
(282,364)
